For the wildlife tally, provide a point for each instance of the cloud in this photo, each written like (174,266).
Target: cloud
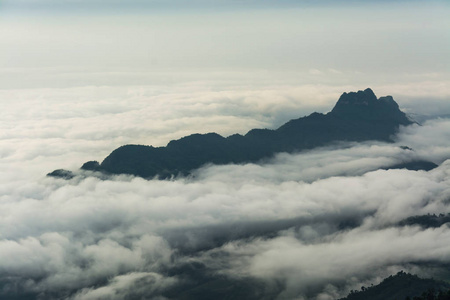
(74,235)
(306,267)
(336,160)
(129,285)
(285,227)
(429,141)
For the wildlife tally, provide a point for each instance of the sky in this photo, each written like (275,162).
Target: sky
(81,78)
(77,43)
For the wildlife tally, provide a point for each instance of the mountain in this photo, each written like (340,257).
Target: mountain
(414,165)
(426,221)
(400,287)
(357,116)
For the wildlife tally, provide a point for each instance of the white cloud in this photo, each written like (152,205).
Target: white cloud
(76,233)
(115,236)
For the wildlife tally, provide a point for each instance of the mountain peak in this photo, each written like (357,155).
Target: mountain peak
(360,98)
(365,105)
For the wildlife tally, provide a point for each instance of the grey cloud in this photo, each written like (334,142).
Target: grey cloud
(363,254)
(54,264)
(138,285)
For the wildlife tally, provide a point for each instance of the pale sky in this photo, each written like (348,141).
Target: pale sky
(327,41)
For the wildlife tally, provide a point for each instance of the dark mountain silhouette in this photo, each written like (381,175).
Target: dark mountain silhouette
(427,221)
(61,173)
(357,116)
(400,287)
(415,165)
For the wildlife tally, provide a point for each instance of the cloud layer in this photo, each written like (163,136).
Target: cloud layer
(311,225)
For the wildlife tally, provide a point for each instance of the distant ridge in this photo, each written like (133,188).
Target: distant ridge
(403,286)
(357,116)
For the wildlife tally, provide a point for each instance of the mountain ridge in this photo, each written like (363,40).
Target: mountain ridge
(403,286)
(357,116)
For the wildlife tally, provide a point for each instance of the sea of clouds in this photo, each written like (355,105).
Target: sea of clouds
(311,225)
